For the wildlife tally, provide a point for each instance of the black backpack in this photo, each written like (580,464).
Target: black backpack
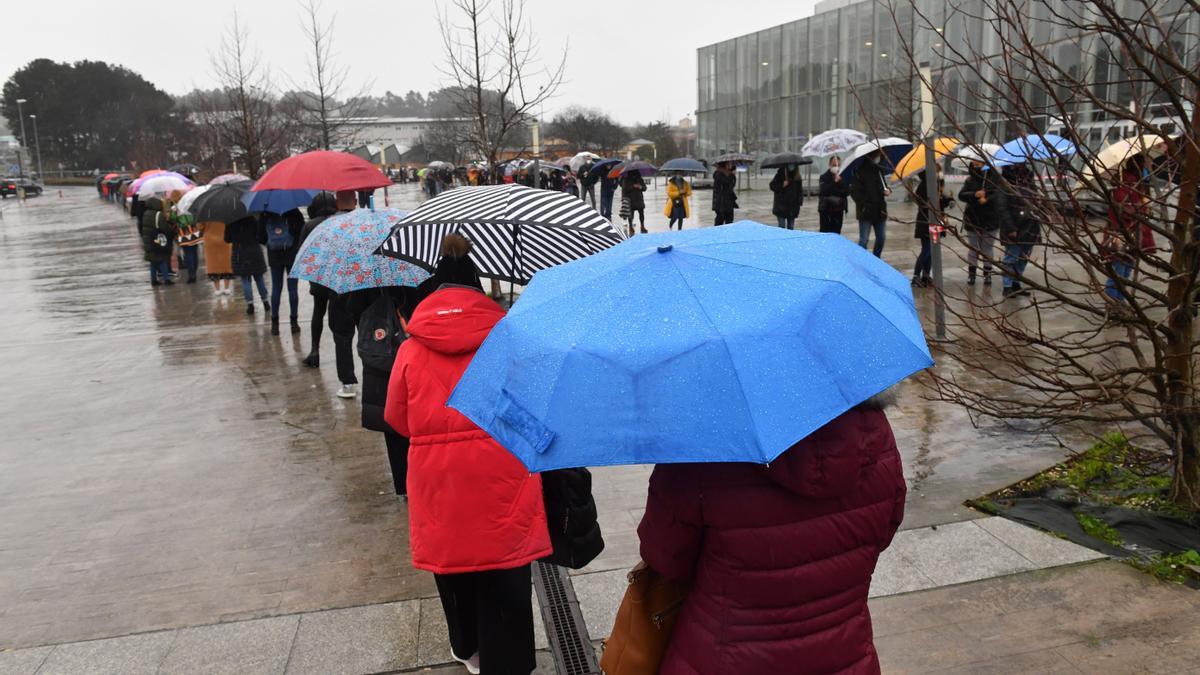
(380,334)
(571,517)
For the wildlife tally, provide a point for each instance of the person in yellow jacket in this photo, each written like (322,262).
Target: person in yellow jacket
(679,191)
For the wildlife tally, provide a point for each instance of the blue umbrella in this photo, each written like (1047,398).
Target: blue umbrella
(278,201)
(340,253)
(725,344)
(1034,147)
(893,150)
(601,166)
(686,164)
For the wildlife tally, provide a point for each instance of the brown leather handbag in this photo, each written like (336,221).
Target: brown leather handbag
(643,625)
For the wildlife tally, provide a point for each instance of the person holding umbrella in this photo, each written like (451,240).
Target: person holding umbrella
(588,182)
(983,214)
(789,195)
(870,193)
(678,208)
(280,233)
(158,239)
(633,189)
(608,188)
(248,260)
(724,200)
(924,266)
(322,207)
(831,200)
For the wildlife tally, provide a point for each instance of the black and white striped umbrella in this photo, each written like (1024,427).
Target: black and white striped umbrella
(516,231)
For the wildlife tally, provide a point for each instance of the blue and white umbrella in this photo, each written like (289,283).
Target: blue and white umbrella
(833,142)
(1033,148)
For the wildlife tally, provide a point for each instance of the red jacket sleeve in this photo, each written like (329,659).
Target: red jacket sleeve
(672,530)
(395,411)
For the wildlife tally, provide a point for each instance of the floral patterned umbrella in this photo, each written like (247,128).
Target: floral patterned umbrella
(340,253)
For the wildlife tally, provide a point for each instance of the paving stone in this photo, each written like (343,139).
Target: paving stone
(599,597)
(1043,550)
(23,661)
(957,553)
(895,574)
(433,639)
(368,639)
(129,655)
(254,647)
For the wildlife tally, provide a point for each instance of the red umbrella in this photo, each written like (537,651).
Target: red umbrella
(323,170)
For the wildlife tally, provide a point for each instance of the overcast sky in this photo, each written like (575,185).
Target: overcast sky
(396,44)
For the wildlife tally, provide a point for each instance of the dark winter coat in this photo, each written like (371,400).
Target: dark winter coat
(295,224)
(868,190)
(921,226)
(572,518)
(990,215)
(322,207)
(472,505)
(831,190)
(608,185)
(1022,225)
(779,557)
(152,224)
(724,196)
(248,256)
(788,200)
(374,381)
(633,188)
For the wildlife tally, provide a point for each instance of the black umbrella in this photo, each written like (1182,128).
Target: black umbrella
(602,166)
(185,169)
(734,157)
(222,203)
(784,159)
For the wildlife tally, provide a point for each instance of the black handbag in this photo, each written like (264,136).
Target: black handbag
(571,517)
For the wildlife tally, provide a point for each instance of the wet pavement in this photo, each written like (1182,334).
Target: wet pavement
(168,463)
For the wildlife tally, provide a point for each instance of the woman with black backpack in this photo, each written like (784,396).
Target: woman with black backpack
(281,235)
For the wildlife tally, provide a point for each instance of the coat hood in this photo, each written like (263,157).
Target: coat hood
(324,204)
(831,461)
(454,320)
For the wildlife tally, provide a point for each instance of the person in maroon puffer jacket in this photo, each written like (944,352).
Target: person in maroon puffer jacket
(779,557)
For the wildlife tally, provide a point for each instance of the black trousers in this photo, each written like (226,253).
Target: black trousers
(724,217)
(397,451)
(317,325)
(831,221)
(341,324)
(490,613)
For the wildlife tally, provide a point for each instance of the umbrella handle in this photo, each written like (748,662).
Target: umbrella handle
(523,423)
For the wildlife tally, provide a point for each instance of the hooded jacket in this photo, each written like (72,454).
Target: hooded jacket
(869,191)
(472,505)
(779,557)
(154,222)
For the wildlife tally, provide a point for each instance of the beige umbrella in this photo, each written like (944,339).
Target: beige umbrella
(1114,156)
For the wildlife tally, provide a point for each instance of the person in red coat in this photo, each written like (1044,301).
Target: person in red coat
(476,515)
(778,557)
(1127,234)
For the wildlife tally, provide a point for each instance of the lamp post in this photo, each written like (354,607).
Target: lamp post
(37,144)
(933,197)
(21,116)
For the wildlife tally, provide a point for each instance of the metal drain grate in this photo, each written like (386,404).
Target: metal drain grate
(568,636)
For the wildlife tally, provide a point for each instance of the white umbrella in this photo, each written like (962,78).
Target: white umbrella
(1115,155)
(580,159)
(979,152)
(163,185)
(893,150)
(833,142)
(185,203)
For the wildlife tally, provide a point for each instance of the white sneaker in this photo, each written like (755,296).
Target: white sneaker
(472,664)
(348,391)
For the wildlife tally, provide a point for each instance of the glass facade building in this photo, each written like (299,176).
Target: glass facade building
(771,90)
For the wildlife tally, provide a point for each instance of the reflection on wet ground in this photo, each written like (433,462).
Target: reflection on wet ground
(167,462)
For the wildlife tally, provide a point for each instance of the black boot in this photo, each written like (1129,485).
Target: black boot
(313,360)
(295,326)
(266,305)
(970,276)
(249,308)
(274,325)
(987,277)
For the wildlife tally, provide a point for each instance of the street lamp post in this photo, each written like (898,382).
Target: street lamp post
(37,144)
(933,197)
(21,116)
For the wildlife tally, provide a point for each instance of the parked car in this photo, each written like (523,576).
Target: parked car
(8,187)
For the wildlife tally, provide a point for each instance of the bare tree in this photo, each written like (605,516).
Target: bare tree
(496,83)
(1108,338)
(322,106)
(244,114)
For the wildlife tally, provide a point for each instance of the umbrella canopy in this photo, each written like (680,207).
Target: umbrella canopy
(186,169)
(644,168)
(562,162)
(109,175)
(735,158)
(221,203)
(277,201)
(725,344)
(1113,157)
(229,178)
(833,142)
(783,159)
(980,152)
(323,170)
(581,158)
(185,203)
(685,164)
(151,172)
(1034,148)
(163,184)
(914,161)
(894,149)
(439,165)
(601,167)
(516,230)
(340,253)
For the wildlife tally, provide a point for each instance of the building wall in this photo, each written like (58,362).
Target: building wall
(382,131)
(771,90)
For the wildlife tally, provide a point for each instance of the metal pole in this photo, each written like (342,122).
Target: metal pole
(37,142)
(933,198)
(21,116)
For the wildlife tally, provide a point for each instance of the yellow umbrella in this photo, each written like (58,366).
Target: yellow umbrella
(1114,156)
(914,161)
